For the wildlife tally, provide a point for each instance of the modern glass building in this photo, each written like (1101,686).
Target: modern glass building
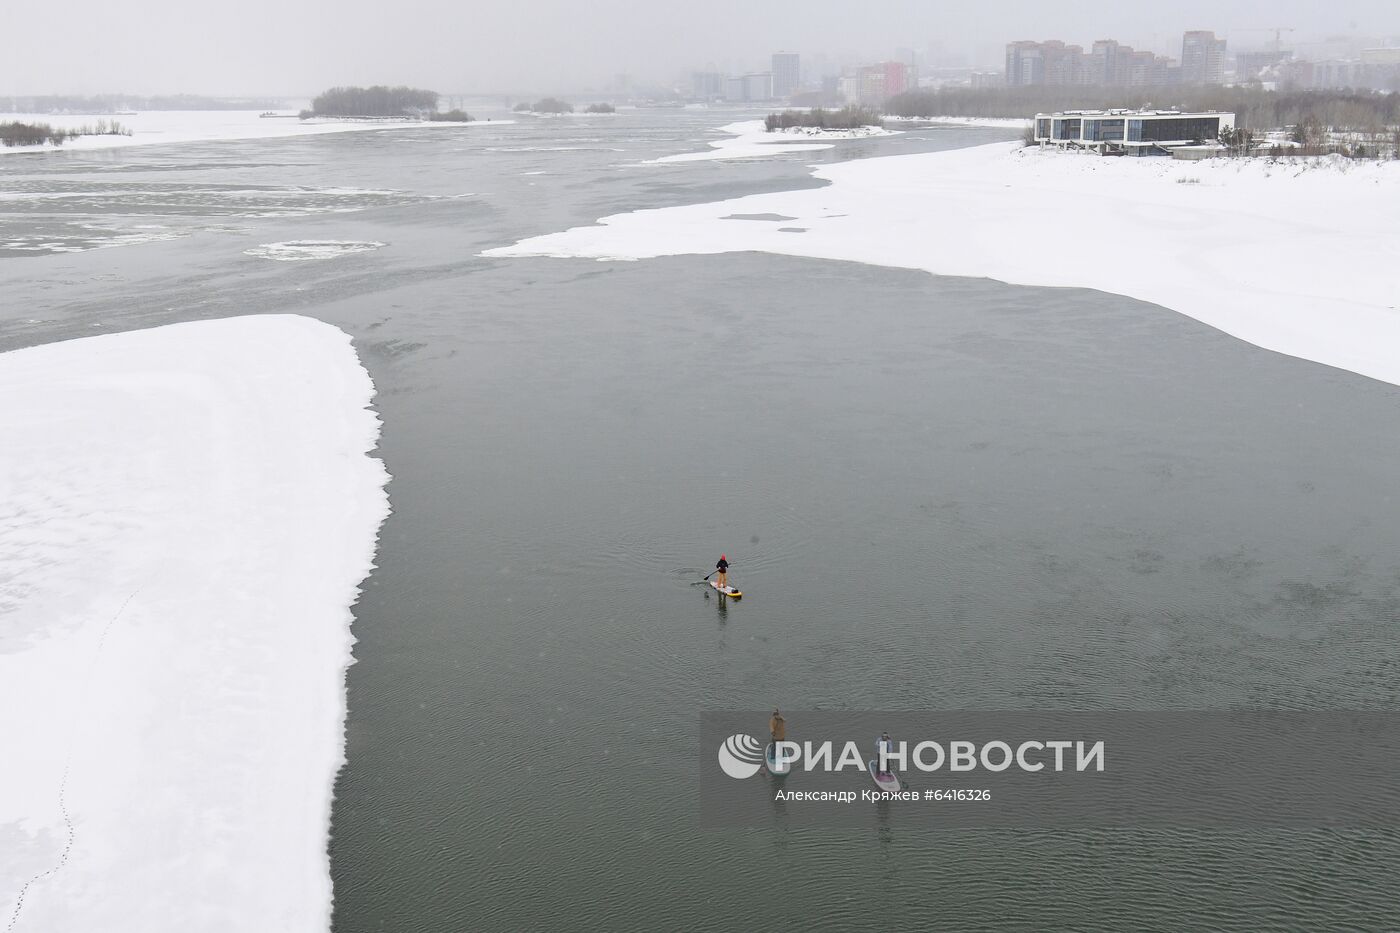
(1129,132)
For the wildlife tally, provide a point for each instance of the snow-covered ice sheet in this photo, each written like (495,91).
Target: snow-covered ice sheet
(185,516)
(183,126)
(304,250)
(1294,256)
(749,140)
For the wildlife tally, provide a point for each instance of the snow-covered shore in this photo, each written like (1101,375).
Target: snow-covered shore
(1297,257)
(187,514)
(185,126)
(748,139)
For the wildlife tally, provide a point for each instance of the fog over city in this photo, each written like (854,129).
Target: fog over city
(267,47)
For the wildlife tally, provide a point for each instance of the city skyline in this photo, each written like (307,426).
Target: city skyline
(261,47)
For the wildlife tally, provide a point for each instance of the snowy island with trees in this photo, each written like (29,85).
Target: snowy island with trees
(377,102)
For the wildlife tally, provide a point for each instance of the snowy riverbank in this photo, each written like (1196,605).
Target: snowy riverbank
(188,512)
(185,126)
(748,139)
(1294,256)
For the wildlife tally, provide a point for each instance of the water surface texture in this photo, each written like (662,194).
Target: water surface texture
(936,493)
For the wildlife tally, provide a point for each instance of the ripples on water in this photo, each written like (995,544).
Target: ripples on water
(935,494)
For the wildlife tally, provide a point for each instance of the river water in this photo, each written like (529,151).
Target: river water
(938,493)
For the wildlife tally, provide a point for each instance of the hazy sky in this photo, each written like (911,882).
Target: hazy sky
(295,47)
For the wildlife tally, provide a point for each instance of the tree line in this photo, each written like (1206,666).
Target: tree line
(544,105)
(1311,137)
(1253,107)
(36,134)
(377,101)
(845,118)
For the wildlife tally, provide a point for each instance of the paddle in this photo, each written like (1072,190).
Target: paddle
(705,577)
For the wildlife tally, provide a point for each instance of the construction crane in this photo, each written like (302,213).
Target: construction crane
(1278,32)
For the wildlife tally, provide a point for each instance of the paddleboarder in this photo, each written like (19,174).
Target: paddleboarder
(777,731)
(722,568)
(885,745)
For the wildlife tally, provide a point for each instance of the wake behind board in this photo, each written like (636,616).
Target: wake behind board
(888,782)
(777,766)
(727,590)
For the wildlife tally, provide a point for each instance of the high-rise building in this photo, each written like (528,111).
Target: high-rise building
(755,86)
(1249,66)
(1024,63)
(759,85)
(1062,62)
(1107,64)
(872,84)
(912,59)
(1388,55)
(1144,69)
(1050,62)
(1202,57)
(899,77)
(706,85)
(1338,73)
(787,73)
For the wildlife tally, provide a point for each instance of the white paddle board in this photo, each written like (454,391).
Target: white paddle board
(885,782)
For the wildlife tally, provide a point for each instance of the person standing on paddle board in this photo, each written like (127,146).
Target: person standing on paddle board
(777,728)
(722,568)
(885,745)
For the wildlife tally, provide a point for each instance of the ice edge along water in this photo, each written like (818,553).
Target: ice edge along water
(1296,257)
(748,139)
(189,514)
